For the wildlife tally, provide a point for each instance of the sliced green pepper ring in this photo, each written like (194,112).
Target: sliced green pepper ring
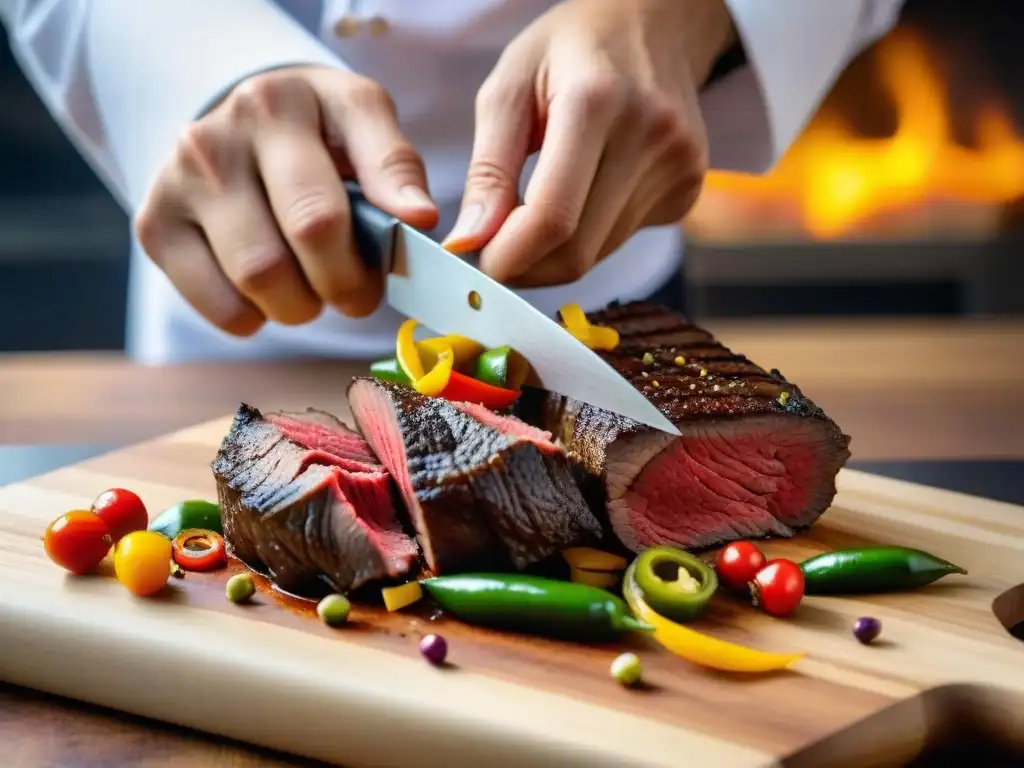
(675,583)
(502,367)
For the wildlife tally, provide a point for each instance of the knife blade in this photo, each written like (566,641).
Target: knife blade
(448,295)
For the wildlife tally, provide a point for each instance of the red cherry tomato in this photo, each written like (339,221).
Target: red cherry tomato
(122,511)
(778,588)
(77,541)
(738,563)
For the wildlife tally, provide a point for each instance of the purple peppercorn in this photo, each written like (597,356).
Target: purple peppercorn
(866,629)
(434,648)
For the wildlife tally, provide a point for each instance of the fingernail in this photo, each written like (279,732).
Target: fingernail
(465,225)
(416,196)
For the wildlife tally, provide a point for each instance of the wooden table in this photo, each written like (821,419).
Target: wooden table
(917,389)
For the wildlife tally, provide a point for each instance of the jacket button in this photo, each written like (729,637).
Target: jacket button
(346,26)
(378,26)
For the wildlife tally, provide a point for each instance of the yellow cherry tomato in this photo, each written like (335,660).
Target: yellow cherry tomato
(142,562)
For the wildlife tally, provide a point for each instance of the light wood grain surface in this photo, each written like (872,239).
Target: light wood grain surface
(278,678)
(902,388)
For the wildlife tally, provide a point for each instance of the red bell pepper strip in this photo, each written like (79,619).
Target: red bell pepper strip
(462,388)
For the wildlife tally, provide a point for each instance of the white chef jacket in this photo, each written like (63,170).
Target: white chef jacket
(123,77)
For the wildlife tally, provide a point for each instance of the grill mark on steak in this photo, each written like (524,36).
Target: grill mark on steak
(756,457)
(481,490)
(293,509)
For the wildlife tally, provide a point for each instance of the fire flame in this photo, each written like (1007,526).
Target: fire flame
(836,182)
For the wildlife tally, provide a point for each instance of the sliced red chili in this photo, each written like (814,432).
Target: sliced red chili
(462,388)
(196,549)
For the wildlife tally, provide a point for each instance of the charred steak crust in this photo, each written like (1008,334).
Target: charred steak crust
(757,457)
(478,496)
(302,514)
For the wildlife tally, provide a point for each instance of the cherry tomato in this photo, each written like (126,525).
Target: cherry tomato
(122,510)
(142,562)
(738,563)
(77,541)
(778,587)
(196,549)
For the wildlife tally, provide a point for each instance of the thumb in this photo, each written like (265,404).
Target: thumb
(504,120)
(389,170)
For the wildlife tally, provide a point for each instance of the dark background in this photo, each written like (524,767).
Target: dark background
(64,241)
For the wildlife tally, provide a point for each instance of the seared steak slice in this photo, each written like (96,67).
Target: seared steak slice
(322,431)
(481,490)
(304,500)
(756,457)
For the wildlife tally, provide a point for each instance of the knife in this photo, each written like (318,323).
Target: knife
(448,295)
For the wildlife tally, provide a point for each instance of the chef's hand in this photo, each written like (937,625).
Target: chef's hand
(250,219)
(608,92)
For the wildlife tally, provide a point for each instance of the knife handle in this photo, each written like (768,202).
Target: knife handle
(372,228)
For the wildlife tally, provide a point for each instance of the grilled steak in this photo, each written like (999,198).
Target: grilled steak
(756,457)
(482,490)
(305,501)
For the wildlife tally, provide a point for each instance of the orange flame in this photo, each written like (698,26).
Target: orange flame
(836,181)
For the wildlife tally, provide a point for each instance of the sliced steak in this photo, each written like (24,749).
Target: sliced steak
(482,490)
(321,431)
(304,500)
(756,457)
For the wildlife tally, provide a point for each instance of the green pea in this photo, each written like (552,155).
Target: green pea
(626,669)
(333,610)
(240,588)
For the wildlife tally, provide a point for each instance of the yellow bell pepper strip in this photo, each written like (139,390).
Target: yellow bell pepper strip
(432,382)
(466,350)
(697,647)
(602,337)
(575,320)
(599,579)
(590,559)
(402,596)
(407,352)
(594,336)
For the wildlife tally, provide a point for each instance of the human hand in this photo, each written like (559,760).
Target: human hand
(607,90)
(249,218)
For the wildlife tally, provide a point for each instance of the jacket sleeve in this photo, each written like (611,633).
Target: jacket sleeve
(796,50)
(123,77)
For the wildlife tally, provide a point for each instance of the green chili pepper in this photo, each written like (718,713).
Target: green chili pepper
(390,370)
(873,569)
(535,605)
(675,583)
(501,367)
(193,513)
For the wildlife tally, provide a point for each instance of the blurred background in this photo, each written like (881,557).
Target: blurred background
(905,196)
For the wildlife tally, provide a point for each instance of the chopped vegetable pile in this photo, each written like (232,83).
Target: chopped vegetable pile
(185,537)
(460,369)
(454,368)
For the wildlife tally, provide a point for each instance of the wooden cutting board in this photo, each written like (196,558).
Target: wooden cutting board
(271,674)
